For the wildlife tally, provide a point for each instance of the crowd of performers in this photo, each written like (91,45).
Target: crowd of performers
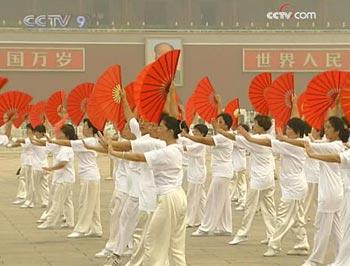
(156,163)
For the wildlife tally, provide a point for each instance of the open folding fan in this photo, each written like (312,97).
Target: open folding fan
(345,98)
(138,84)
(321,94)
(257,92)
(37,114)
(279,98)
(190,111)
(95,113)
(22,116)
(3,81)
(54,107)
(107,94)
(12,103)
(77,100)
(204,100)
(155,85)
(129,91)
(300,104)
(232,108)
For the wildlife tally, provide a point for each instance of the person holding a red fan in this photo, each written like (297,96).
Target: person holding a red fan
(89,221)
(166,232)
(218,213)
(343,159)
(262,186)
(331,191)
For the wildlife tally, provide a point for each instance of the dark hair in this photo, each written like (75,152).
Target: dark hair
(339,125)
(307,129)
(90,125)
(203,129)
(346,121)
(173,124)
(263,121)
(227,119)
(297,125)
(40,129)
(245,126)
(184,126)
(29,126)
(69,131)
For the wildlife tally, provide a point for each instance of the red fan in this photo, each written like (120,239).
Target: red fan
(37,114)
(22,116)
(190,111)
(12,103)
(279,98)
(77,100)
(130,96)
(107,94)
(204,100)
(54,107)
(257,92)
(60,123)
(321,94)
(3,81)
(138,84)
(95,113)
(300,104)
(155,85)
(232,109)
(345,99)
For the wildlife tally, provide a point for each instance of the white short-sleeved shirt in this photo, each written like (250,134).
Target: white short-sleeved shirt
(4,140)
(147,187)
(292,179)
(54,149)
(39,159)
(345,168)
(27,152)
(122,182)
(66,174)
(239,158)
(88,169)
(312,169)
(222,157)
(197,170)
(166,164)
(262,163)
(184,141)
(330,187)
(135,127)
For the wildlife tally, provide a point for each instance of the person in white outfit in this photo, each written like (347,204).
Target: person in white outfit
(218,213)
(4,138)
(343,159)
(64,176)
(262,185)
(89,222)
(196,178)
(330,192)
(166,233)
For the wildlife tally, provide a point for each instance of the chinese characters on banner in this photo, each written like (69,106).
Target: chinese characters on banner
(296,60)
(42,59)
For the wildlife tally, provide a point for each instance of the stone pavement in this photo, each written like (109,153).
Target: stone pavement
(22,244)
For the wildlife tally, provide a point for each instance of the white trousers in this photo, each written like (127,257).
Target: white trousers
(28,177)
(89,220)
(49,205)
(196,200)
(119,199)
(264,198)
(343,257)
(310,200)
(21,189)
(327,227)
(218,212)
(166,234)
(290,216)
(41,187)
(239,187)
(62,202)
(127,225)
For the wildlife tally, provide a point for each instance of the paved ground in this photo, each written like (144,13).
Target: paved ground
(22,244)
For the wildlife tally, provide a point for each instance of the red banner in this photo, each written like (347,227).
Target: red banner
(295,60)
(42,59)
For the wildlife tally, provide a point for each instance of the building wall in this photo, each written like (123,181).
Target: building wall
(217,55)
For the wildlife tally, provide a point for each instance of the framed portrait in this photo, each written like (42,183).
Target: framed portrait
(155,47)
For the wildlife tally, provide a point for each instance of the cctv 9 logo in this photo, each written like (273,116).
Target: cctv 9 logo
(55,21)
